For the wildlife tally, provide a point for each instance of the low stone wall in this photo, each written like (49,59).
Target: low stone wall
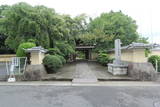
(141,71)
(34,72)
(6,57)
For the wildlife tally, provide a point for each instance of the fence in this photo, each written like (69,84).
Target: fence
(3,71)
(16,66)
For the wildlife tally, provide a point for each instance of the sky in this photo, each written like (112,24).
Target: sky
(145,12)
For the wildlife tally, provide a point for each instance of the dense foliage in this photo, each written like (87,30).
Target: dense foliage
(58,53)
(104,59)
(52,63)
(54,51)
(21,49)
(60,34)
(152,59)
(22,21)
(63,60)
(65,49)
(103,30)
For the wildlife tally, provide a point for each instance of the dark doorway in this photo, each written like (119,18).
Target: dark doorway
(84,52)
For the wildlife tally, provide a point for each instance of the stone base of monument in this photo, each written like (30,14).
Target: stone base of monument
(117,69)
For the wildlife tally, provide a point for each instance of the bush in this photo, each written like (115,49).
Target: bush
(65,48)
(152,59)
(21,52)
(62,59)
(104,58)
(52,63)
(54,51)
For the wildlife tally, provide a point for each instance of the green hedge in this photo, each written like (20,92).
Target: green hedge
(52,63)
(21,52)
(63,60)
(152,59)
(104,58)
(54,51)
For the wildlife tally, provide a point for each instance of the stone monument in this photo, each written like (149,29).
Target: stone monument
(117,68)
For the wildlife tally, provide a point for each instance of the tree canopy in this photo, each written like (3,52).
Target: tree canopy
(22,22)
(110,26)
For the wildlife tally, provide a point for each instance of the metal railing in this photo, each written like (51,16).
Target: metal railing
(16,66)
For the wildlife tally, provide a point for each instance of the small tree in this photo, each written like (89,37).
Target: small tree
(104,58)
(152,59)
(21,52)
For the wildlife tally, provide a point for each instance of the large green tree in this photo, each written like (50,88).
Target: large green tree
(23,22)
(3,48)
(111,26)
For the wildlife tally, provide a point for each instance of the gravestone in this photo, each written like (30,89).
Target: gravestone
(117,68)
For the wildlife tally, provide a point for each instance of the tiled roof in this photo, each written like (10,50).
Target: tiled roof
(36,49)
(138,46)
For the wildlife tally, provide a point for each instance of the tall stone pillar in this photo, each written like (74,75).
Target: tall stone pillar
(117,44)
(117,68)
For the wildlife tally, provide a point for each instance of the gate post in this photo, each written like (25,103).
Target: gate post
(37,55)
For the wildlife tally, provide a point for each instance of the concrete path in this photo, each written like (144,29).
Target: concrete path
(83,73)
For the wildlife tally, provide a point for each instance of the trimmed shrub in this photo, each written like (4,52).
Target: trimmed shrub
(54,51)
(104,58)
(21,52)
(152,59)
(62,59)
(52,63)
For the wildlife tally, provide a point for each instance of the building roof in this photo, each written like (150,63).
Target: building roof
(156,49)
(36,49)
(135,45)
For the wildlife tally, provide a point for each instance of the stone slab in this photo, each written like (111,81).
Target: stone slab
(117,70)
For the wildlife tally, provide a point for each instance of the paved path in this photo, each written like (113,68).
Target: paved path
(83,73)
(68,96)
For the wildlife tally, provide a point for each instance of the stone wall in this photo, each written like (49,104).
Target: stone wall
(34,72)
(6,57)
(132,55)
(141,71)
